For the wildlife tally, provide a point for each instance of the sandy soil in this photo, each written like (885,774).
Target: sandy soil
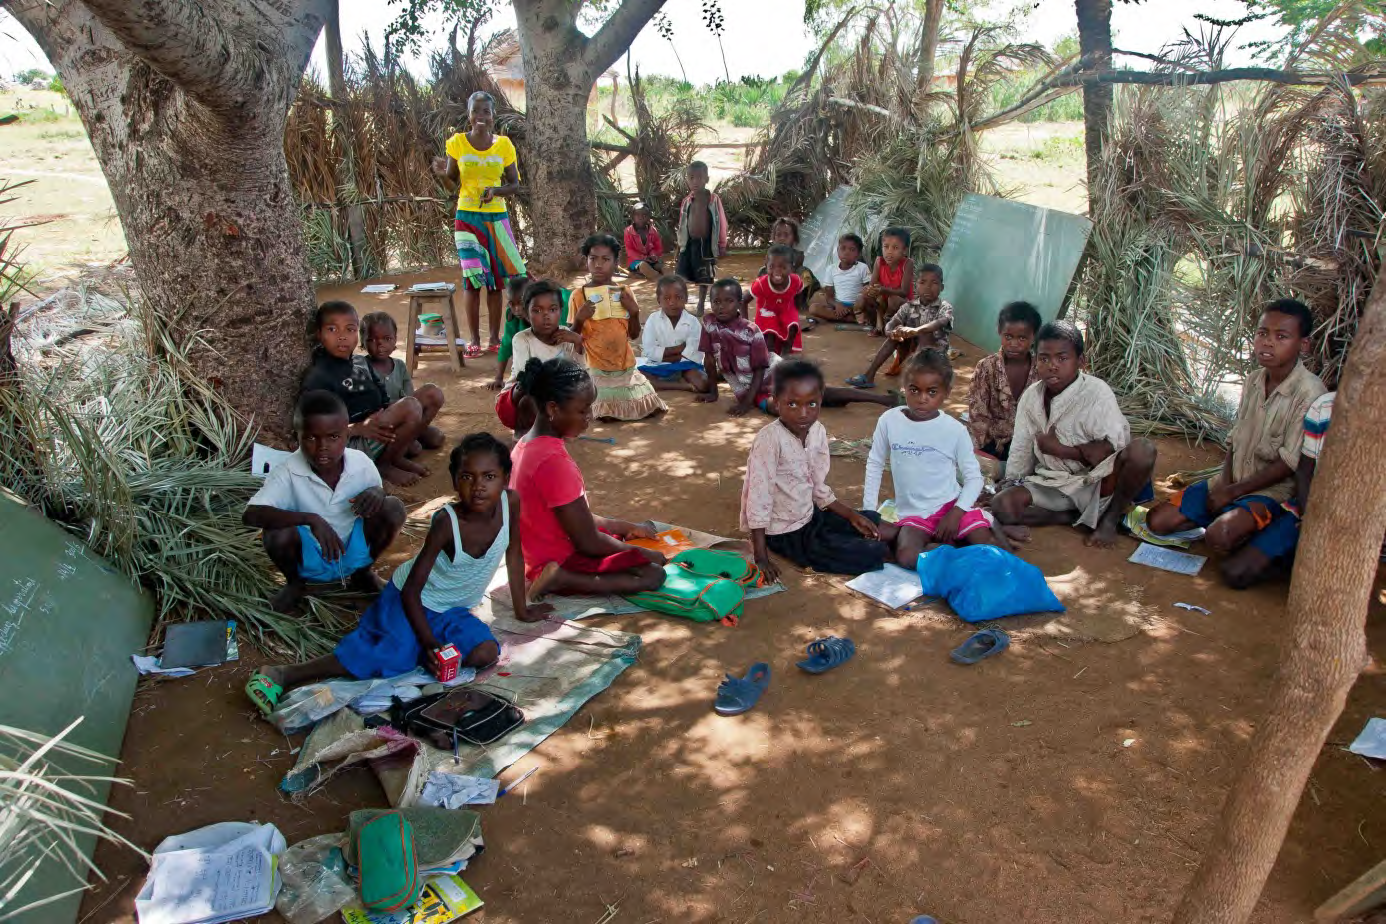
(899,784)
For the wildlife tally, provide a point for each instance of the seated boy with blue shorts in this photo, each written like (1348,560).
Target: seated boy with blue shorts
(324,513)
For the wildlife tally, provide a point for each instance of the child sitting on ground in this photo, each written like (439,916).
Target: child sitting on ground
(644,249)
(786,504)
(1001,378)
(379,336)
(786,231)
(670,341)
(1072,452)
(1240,505)
(927,451)
(608,319)
(702,232)
(428,602)
(382,429)
(919,324)
(516,320)
(775,294)
(734,350)
(568,548)
(892,282)
(324,515)
(543,339)
(837,300)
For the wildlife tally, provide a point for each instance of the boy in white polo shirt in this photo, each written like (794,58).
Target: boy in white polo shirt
(324,514)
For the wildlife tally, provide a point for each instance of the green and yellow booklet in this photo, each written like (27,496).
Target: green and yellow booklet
(444,899)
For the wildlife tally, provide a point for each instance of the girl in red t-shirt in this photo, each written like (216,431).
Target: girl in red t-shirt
(776,313)
(892,281)
(568,549)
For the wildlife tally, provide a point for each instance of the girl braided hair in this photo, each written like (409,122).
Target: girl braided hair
(557,380)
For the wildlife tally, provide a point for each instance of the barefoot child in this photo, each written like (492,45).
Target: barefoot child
(775,294)
(786,504)
(568,548)
(1001,378)
(892,281)
(324,515)
(734,350)
(379,337)
(382,429)
(670,341)
(702,232)
(837,300)
(1072,453)
(786,231)
(543,339)
(428,602)
(927,451)
(919,324)
(644,249)
(1241,505)
(516,320)
(608,319)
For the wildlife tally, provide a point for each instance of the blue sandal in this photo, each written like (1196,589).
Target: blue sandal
(827,653)
(859,381)
(982,645)
(736,695)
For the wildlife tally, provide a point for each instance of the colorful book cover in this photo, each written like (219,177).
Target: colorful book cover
(444,899)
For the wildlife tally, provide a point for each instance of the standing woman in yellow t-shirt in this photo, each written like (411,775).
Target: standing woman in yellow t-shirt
(482,163)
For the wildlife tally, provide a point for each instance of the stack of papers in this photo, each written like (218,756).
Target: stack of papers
(425,288)
(223,872)
(379,288)
(453,790)
(1153,556)
(191,645)
(444,899)
(892,585)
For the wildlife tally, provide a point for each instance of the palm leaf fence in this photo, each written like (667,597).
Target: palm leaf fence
(45,810)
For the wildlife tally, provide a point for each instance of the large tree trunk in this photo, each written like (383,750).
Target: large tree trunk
(363,264)
(1095,47)
(185,104)
(928,45)
(1324,647)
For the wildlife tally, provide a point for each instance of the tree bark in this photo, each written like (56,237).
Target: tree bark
(928,45)
(1095,47)
(363,266)
(192,150)
(1325,646)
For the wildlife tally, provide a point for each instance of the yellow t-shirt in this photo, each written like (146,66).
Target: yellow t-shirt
(479,170)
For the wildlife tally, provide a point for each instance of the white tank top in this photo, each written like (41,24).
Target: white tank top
(463,580)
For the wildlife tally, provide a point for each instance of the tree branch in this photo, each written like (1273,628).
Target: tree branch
(616,34)
(1208,78)
(1156,58)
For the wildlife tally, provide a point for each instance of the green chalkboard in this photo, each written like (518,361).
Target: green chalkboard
(1000,251)
(68,625)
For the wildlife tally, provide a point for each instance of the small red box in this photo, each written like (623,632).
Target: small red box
(446,660)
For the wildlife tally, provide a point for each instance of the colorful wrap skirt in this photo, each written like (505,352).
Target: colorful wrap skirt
(486,249)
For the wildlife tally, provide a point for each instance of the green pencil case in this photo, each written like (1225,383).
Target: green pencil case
(384,849)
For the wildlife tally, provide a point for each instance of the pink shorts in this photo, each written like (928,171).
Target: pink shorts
(972,520)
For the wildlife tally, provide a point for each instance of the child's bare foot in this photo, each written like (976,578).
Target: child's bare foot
(398,476)
(410,465)
(541,584)
(1017,533)
(366,581)
(432,438)
(289,597)
(1104,537)
(414,449)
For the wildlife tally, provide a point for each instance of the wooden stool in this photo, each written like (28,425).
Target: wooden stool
(419,303)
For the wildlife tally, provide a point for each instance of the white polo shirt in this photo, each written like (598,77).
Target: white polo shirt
(294,486)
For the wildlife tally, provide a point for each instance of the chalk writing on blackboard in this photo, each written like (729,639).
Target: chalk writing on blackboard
(25,590)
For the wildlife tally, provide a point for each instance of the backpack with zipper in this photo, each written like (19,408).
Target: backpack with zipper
(720,564)
(699,597)
(466,715)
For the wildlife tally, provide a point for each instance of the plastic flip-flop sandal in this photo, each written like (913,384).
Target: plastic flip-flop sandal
(827,653)
(982,645)
(859,381)
(264,693)
(736,695)
(473,351)
(493,348)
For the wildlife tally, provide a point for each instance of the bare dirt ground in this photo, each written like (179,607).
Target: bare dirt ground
(896,785)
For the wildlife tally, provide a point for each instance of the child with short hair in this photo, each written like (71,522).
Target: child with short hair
(516,320)
(1241,504)
(1072,451)
(786,504)
(837,300)
(785,231)
(669,344)
(382,429)
(568,548)
(1001,378)
(702,232)
(644,249)
(608,319)
(428,602)
(919,324)
(543,339)
(324,514)
(892,281)
(734,350)
(926,451)
(379,337)
(776,313)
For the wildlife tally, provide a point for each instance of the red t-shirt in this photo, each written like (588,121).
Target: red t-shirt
(545,477)
(892,278)
(776,311)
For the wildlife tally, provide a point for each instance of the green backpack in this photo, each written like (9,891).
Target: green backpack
(715,563)
(694,596)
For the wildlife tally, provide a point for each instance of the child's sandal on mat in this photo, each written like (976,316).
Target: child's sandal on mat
(264,693)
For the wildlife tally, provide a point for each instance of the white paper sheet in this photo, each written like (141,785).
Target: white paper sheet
(453,790)
(1153,556)
(379,288)
(264,458)
(892,585)
(223,872)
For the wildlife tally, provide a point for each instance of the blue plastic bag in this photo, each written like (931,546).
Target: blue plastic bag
(983,582)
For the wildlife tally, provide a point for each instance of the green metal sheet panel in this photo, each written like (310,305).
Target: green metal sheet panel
(1001,251)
